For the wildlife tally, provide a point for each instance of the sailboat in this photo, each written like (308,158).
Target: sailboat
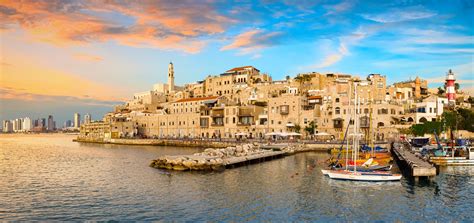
(354,173)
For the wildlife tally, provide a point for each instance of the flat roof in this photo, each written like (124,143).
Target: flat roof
(196,99)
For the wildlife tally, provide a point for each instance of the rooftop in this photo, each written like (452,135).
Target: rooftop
(241,68)
(197,99)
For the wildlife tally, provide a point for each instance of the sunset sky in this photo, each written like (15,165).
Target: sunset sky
(60,57)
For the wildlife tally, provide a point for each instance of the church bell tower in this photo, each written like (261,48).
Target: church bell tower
(170,77)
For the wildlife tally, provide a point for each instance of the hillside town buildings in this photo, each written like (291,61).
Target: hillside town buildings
(243,102)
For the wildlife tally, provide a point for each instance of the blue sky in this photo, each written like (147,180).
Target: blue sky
(88,55)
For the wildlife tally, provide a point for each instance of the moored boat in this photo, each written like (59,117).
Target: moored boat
(364,176)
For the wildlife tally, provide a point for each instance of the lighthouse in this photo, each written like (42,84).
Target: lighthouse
(450,90)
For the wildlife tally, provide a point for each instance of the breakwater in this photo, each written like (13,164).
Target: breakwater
(219,159)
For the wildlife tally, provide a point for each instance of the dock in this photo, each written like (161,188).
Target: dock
(410,164)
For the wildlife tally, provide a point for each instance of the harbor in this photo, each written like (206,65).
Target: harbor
(116,180)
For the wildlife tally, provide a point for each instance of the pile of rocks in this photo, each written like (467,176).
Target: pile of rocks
(209,159)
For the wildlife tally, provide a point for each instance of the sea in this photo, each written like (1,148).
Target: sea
(48,177)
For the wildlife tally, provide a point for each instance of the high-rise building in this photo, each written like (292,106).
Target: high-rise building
(77,120)
(36,123)
(50,126)
(170,77)
(43,122)
(67,124)
(27,124)
(7,126)
(17,125)
(87,118)
(450,89)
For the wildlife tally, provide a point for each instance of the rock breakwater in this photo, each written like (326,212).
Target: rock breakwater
(217,159)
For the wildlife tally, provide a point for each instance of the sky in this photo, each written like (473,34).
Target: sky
(64,56)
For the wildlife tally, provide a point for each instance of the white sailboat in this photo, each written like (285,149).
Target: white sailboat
(353,174)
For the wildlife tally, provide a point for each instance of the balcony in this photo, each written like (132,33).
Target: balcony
(338,122)
(245,112)
(217,121)
(217,113)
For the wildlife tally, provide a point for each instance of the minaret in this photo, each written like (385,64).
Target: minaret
(450,90)
(170,77)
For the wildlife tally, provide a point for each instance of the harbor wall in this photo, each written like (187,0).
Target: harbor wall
(314,146)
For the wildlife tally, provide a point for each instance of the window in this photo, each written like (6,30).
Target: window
(337,99)
(337,111)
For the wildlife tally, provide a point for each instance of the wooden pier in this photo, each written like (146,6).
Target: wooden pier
(410,164)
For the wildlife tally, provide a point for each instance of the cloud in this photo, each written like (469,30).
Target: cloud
(36,79)
(250,41)
(177,25)
(400,15)
(13,94)
(340,7)
(88,57)
(342,50)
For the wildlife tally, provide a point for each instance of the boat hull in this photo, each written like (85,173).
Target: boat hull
(357,176)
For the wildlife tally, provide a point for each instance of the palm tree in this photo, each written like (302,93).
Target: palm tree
(302,79)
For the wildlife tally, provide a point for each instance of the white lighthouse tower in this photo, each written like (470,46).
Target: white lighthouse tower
(450,90)
(170,78)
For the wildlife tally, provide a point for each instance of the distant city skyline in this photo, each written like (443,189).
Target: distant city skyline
(62,57)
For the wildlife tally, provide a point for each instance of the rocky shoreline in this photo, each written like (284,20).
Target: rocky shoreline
(218,159)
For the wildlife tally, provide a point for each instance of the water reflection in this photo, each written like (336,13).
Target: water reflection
(51,178)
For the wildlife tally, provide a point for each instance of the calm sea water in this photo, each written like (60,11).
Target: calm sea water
(49,177)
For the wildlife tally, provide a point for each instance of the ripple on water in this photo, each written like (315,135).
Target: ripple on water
(48,177)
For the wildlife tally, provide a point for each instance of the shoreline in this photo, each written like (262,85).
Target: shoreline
(307,147)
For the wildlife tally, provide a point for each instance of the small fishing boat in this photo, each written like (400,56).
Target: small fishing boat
(364,176)
(360,168)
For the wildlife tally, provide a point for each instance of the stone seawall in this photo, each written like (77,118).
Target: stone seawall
(162,142)
(304,147)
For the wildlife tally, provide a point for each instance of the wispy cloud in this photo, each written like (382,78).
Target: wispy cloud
(343,6)
(400,15)
(253,40)
(342,50)
(13,94)
(88,57)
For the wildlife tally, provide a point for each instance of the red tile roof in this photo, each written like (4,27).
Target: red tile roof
(196,99)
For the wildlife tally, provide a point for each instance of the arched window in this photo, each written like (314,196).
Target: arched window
(380,124)
(410,119)
(337,111)
(423,120)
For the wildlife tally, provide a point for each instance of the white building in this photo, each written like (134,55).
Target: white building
(17,125)
(7,126)
(430,109)
(27,124)
(77,120)
(87,118)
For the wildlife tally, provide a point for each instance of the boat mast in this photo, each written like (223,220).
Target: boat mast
(354,148)
(349,123)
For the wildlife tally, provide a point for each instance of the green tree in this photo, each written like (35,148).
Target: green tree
(311,128)
(302,79)
(441,91)
(297,128)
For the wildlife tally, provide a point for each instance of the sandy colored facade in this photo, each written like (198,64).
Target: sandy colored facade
(242,102)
